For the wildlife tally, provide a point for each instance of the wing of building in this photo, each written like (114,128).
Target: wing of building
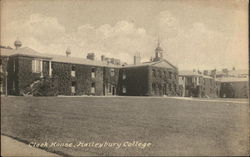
(23,68)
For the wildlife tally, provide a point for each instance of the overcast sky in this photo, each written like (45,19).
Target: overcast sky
(194,34)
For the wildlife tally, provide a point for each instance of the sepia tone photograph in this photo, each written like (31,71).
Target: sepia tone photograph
(124,78)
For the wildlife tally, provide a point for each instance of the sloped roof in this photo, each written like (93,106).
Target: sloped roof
(74,60)
(6,52)
(29,52)
(162,63)
(189,73)
(26,51)
(232,79)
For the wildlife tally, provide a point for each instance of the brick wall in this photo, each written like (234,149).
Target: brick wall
(3,73)
(61,75)
(110,77)
(136,81)
(163,81)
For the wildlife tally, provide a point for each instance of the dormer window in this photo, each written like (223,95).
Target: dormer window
(93,72)
(73,71)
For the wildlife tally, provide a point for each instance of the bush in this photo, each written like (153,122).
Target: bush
(44,87)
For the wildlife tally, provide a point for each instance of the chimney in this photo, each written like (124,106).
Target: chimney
(205,72)
(102,58)
(137,59)
(68,52)
(91,56)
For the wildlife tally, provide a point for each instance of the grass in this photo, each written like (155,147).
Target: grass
(173,126)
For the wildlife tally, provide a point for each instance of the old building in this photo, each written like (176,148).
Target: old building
(190,83)
(24,68)
(155,78)
(195,84)
(233,87)
(69,75)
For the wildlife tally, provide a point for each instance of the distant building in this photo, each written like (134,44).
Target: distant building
(195,84)
(190,83)
(108,60)
(233,87)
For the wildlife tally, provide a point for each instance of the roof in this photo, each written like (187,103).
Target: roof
(162,63)
(208,77)
(189,73)
(6,52)
(232,79)
(74,60)
(26,51)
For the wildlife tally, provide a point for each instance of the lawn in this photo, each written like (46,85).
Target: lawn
(171,126)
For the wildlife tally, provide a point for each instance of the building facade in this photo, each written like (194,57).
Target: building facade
(155,78)
(234,87)
(23,68)
(196,84)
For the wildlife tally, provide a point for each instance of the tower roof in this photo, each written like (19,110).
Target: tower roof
(158,48)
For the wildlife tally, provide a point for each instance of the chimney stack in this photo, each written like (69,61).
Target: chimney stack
(68,52)
(102,58)
(137,59)
(91,56)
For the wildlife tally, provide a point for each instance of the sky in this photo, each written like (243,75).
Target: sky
(195,34)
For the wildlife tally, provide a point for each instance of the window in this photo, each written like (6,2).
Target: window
(73,71)
(123,75)
(92,88)
(37,66)
(124,90)
(73,87)
(14,65)
(154,73)
(165,74)
(159,86)
(159,72)
(92,72)
(170,75)
(170,87)
(112,72)
(14,85)
(109,88)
